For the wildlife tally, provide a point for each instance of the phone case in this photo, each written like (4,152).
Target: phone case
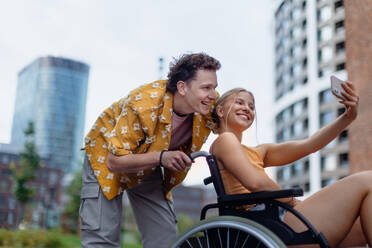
(336,87)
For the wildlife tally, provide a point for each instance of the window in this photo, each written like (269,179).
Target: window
(297,109)
(297,128)
(11,203)
(304,81)
(280,174)
(296,13)
(326,117)
(297,69)
(297,32)
(339,5)
(297,50)
(343,136)
(304,43)
(10,218)
(344,160)
(328,162)
(2,201)
(339,26)
(296,168)
(340,47)
(325,33)
(326,53)
(325,96)
(307,187)
(324,13)
(3,186)
(340,67)
(327,182)
(306,166)
(325,71)
(340,111)
(305,124)
(286,173)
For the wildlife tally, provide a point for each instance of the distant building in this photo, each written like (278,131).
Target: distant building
(358,23)
(52,92)
(47,186)
(189,200)
(309,47)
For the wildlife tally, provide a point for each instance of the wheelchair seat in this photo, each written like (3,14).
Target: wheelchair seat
(267,218)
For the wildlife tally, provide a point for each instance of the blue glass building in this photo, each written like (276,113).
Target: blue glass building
(52,93)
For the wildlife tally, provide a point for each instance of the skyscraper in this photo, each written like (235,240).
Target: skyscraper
(52,92)
(309,47)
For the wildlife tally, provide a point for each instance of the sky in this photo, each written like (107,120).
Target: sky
(123,40)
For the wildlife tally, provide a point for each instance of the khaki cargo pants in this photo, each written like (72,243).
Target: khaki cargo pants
(101,218)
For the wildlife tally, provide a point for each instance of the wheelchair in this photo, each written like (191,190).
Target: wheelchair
(237,228)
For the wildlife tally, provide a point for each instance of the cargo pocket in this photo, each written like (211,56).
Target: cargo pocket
(90,207)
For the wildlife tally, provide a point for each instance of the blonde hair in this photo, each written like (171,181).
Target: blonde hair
(222,99)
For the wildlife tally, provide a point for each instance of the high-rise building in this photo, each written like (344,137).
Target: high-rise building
(309,47)
(358,23)
(52,92)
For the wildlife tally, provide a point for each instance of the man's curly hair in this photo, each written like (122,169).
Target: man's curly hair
(185,67)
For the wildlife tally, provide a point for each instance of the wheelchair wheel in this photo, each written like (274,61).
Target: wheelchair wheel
(227,231)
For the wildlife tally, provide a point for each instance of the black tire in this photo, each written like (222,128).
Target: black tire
(227,231)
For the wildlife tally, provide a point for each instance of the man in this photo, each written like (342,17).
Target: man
(140,145)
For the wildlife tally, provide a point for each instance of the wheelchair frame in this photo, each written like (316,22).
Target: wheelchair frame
(267,220)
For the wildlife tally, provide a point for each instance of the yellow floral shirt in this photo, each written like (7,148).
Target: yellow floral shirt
(139,123)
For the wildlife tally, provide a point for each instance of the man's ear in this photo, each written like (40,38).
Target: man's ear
(181,88)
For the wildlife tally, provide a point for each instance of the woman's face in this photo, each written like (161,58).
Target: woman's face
(238,112)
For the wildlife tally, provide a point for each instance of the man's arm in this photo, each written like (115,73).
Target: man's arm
(131,163)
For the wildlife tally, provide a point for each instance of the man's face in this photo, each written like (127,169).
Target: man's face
(200,92)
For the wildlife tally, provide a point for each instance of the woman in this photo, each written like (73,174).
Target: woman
(341,211)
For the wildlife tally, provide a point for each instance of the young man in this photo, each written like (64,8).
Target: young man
(140,145)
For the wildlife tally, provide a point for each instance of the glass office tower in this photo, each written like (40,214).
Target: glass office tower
(309,47)
(52,92)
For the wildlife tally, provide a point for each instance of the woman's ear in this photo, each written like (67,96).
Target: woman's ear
(219,111)
(181,88)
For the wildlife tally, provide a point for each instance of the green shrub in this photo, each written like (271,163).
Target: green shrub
(31,238)
(7,238)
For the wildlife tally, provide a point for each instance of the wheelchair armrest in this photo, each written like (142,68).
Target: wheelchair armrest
(258,197)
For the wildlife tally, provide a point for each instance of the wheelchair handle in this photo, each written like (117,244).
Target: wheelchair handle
(195,155)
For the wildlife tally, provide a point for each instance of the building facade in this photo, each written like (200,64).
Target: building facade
(47,187)
(358,23)
(309,47)
(189,200)
(52,92)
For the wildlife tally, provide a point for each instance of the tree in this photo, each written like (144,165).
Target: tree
(26,171)
(71,213)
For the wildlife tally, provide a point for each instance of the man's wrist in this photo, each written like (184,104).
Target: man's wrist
(161,157)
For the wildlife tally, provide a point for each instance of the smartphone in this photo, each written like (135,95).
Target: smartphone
(336,87)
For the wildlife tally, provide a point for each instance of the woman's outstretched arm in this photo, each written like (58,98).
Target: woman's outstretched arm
(288,152)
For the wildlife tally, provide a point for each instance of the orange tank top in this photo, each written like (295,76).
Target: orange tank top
(233,185)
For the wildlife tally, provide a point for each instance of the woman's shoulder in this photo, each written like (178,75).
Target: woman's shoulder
(224,141)
(226,137)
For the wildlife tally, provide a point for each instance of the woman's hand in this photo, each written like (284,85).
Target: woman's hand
(351,100)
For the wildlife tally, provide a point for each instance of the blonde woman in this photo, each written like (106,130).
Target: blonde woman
(341,211)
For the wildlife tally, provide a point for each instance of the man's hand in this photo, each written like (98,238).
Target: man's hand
(175,160)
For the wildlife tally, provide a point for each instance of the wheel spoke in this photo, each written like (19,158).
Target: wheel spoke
(259,243)
(228,238)
(236,239)
(206,235)
(246,239)
(189,244)
(219,237)
(199,242)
